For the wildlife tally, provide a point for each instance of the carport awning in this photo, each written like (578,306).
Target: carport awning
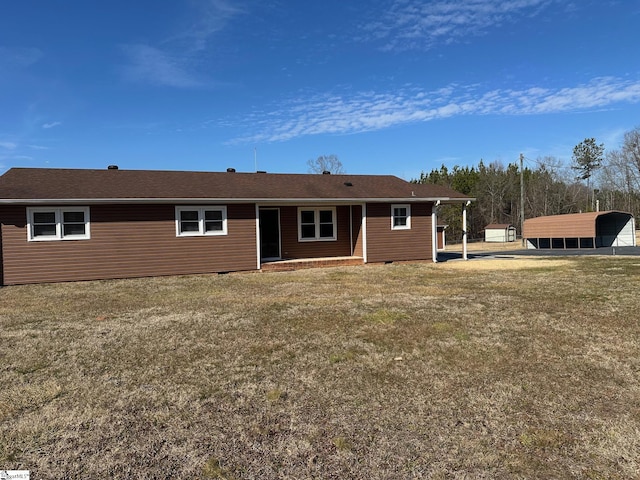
(574,225)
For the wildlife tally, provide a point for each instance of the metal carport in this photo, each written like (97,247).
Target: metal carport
(581,230)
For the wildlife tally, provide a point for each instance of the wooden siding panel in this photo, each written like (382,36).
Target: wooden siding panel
(292,248)
(440,238)
(5,212)
(358,237)
(128,241)
(387,245)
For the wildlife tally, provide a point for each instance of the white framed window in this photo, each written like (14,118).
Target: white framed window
(316,224)
(57,223)
(198,221)
(401,217)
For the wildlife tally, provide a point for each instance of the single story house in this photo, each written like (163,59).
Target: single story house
(499,232)
(80,224)
(581,230)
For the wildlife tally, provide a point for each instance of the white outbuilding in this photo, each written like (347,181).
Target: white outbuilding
(499,232)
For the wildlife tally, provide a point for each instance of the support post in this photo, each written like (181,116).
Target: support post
(364,232)
(464,230)
(258,253)
(434,231)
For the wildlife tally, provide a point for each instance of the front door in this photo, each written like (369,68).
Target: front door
(269,234)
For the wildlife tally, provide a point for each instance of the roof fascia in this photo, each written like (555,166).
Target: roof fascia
(93,201)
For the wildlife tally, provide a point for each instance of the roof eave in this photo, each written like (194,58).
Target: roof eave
(93,201)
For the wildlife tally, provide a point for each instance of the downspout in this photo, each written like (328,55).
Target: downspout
(364,232)
(464,230)
(258,236)
(434,231)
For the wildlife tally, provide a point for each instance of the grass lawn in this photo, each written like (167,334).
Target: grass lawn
(515,368)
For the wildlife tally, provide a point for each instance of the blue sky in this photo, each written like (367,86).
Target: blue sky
(389,86)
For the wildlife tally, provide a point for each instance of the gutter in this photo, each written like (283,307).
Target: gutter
(262,201)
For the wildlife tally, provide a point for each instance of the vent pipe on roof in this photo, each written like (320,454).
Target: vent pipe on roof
(112,167)
(231,170)
(326,172)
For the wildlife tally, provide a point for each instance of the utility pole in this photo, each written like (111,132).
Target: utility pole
(522,197)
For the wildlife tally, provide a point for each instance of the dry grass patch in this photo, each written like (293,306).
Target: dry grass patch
(485,369)
(481,246)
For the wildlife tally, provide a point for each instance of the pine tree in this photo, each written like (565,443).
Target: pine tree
(587,157)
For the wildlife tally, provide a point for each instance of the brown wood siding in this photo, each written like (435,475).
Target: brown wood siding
(357,235)
(292,248)
(4,212)
(127,241)
(440,238)
(386,245)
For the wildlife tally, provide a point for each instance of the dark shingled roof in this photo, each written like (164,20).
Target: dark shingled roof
(46,184)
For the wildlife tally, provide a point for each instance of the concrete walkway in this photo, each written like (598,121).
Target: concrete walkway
(545,252)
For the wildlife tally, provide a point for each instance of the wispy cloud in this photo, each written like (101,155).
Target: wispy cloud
(8,145)
(18,57)
(150,65)
(51,125)
(416,24)
(174,61)
(206,19)
(369,111)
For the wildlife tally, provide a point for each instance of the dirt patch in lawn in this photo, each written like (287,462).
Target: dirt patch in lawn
(528,368)
(518,263)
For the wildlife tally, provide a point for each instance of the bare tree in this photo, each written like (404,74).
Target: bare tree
(631,148)
(494,185)
(620,177)
(325,163)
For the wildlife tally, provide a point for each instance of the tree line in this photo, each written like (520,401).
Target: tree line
(595,179)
